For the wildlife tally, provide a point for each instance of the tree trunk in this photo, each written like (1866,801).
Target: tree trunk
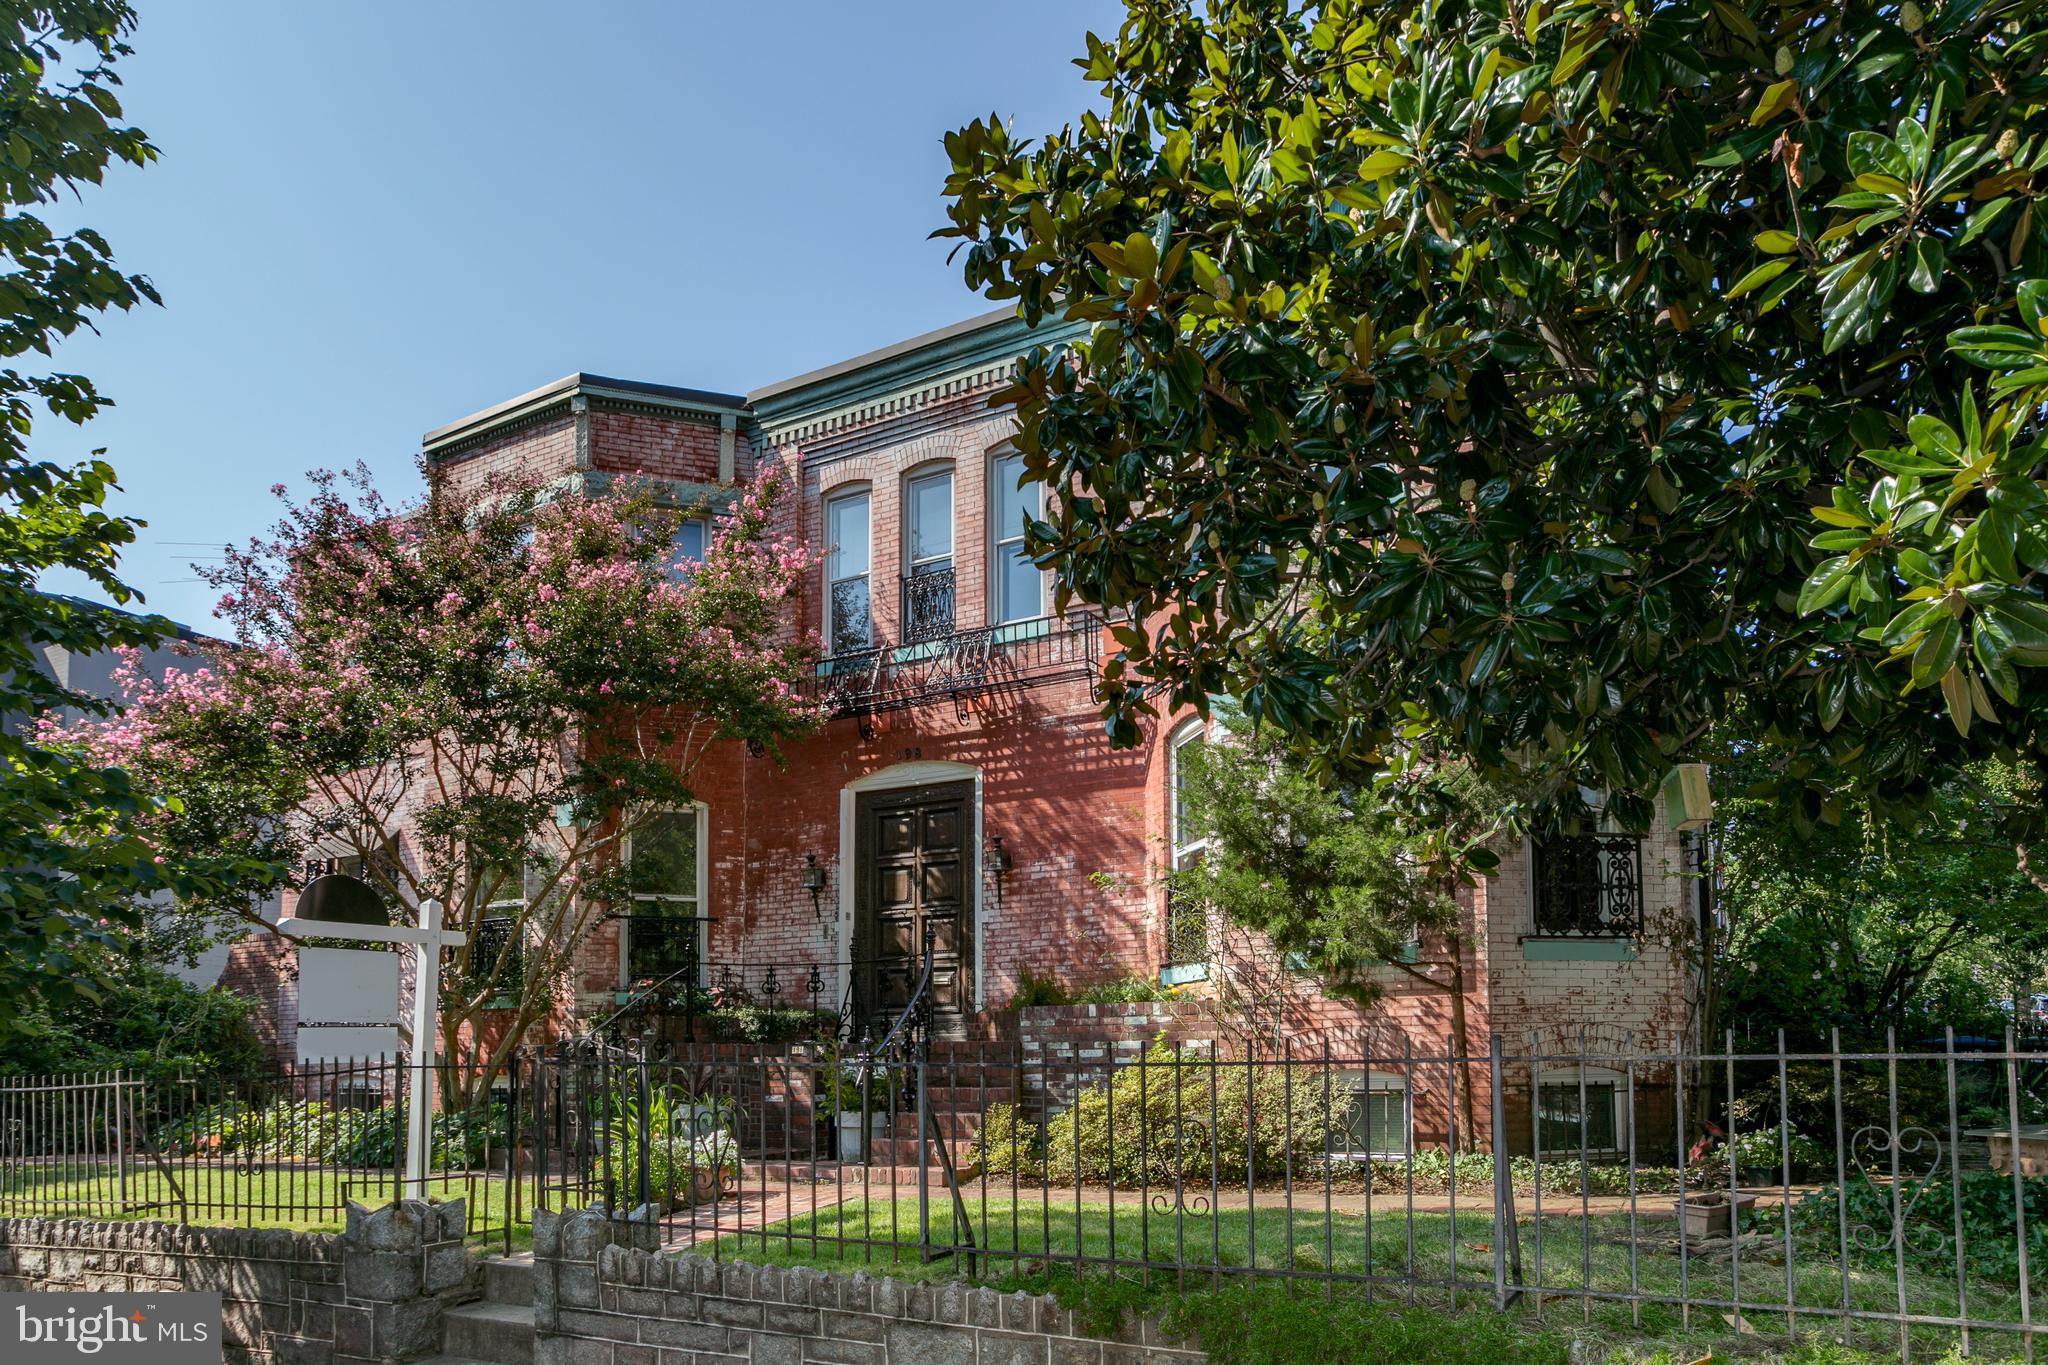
(1459,1042)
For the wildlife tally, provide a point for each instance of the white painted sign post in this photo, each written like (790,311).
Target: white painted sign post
(427,942)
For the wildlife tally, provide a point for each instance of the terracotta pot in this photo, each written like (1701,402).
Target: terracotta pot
(1708,1215)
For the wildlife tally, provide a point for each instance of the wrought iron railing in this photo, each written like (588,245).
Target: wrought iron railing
(1589,886)
(489,944)
(960,664)
(928,605)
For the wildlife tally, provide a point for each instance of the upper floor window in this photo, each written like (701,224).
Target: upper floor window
(1589,885)
(1187,929)
(848,627)
(928,546)
(1019,585)
(686,548)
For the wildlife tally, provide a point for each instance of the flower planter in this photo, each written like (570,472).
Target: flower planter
(1708,1215)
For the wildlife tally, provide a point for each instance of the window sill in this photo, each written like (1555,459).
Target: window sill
(1539,949)
(1181,975)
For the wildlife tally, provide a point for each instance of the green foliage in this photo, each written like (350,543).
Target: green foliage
(1843,922)
(150,1024)
(75,866)
(688,1145)
(1130,989)
(1033,989)
(1167,1120)
(750,1023)
(1267,1325)
(1928,1206)
(356,1138)
(1473,377)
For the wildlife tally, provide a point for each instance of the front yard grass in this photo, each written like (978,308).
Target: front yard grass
(306,1199)
(1398,1261)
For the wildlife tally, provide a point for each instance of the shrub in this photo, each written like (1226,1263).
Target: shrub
(1989,1228)
(1033,989)
(150,1024)
(1161,1125)
(684,1140)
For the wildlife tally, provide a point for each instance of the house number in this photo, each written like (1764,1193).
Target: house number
(911,751)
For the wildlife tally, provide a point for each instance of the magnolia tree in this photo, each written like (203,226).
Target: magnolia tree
(479,699)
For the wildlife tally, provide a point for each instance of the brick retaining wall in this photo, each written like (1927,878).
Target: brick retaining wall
(372,1293)
(604,1296)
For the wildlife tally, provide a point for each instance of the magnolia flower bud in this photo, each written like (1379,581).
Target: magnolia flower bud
(1911,17)
(1783,61)
(2008,143)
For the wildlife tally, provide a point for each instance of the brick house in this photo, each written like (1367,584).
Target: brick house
(964,787)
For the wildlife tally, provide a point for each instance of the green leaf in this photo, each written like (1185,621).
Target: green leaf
(1828,585)
(1776,242)
(1762,275)
(1937,650)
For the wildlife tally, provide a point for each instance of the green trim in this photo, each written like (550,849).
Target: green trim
(1181,975)
(1411,953)
(1578,950)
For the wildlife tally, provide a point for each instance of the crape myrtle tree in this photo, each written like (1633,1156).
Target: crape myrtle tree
(73,871)
(1346,885)
(1531,379)
(478,698)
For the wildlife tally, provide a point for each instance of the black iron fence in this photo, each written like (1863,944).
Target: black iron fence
(1895,1197)
(286,1149)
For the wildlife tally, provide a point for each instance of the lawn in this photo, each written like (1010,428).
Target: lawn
(1393,1257)
(306,1199)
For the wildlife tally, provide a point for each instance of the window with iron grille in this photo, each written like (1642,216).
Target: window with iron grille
(1371,1116)
(666,876)
(1589,886)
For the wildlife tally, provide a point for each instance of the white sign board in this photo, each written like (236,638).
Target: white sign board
(348,1004)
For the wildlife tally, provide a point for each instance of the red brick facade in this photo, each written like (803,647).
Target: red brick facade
(1084,825)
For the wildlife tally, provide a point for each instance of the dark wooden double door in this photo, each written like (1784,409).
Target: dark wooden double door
(913,855)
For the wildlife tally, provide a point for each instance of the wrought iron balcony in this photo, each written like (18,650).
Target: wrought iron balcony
(1590,886)
(928,605)
(488,944)
(961,664)
(660,946)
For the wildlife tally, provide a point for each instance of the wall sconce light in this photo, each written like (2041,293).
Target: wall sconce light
(998,863)
(814,882)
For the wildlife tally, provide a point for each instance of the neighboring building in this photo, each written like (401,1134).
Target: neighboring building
(92,675)
(964,788)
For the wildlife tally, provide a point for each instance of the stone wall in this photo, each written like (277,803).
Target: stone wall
(604,1296)
(372,1293)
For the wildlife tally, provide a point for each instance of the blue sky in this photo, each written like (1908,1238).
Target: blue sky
(371,219)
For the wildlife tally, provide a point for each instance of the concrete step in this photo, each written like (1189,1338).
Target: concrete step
(509,1279)
(496,1332)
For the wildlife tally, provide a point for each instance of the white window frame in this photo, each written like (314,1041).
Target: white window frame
(1352,1081)
(862,494)
(1568,1078)
(675,568)
(1003,539)
(702,813)
(912,562)
(1187,733)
